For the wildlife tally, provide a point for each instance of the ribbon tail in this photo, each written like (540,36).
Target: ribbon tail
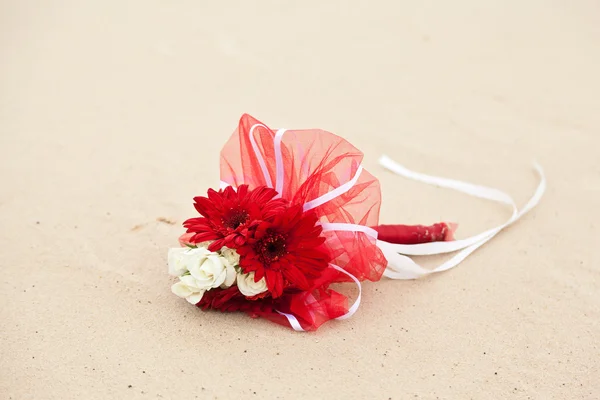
(402,267)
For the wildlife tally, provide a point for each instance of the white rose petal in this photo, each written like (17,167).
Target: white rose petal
(209,271)
(230,277)
(195,298)
(231,255)
(189,292)
(181,290)
(190,283)
(248,287)
(176,261)
(195,256)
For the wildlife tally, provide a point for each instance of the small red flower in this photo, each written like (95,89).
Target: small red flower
(227,215)
(287,251)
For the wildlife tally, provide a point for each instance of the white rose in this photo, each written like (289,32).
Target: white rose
(248,287)
(176,261)
(210,269)
(231,255)
(207,270)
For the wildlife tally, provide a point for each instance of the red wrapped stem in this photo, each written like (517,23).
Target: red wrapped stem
(415,234)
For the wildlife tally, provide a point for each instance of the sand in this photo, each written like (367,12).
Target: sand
(112,115)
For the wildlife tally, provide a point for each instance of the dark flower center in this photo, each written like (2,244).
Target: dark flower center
(271,247)
(234,218)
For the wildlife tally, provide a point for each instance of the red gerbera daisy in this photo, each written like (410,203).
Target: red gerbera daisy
(287,251)
(228,214)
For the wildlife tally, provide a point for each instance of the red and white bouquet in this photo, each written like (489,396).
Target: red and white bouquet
(296,213)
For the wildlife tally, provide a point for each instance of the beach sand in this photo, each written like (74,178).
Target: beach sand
(112,115)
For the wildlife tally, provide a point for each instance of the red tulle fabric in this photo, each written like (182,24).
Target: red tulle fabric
(315,162)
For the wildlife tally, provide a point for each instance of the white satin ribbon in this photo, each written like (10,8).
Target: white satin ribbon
(293,321)
(279,176)
(356,304)
(402,267)
(259,157)
(338,226)
(340,190)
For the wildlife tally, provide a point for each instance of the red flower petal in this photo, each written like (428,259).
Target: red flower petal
(228,214)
